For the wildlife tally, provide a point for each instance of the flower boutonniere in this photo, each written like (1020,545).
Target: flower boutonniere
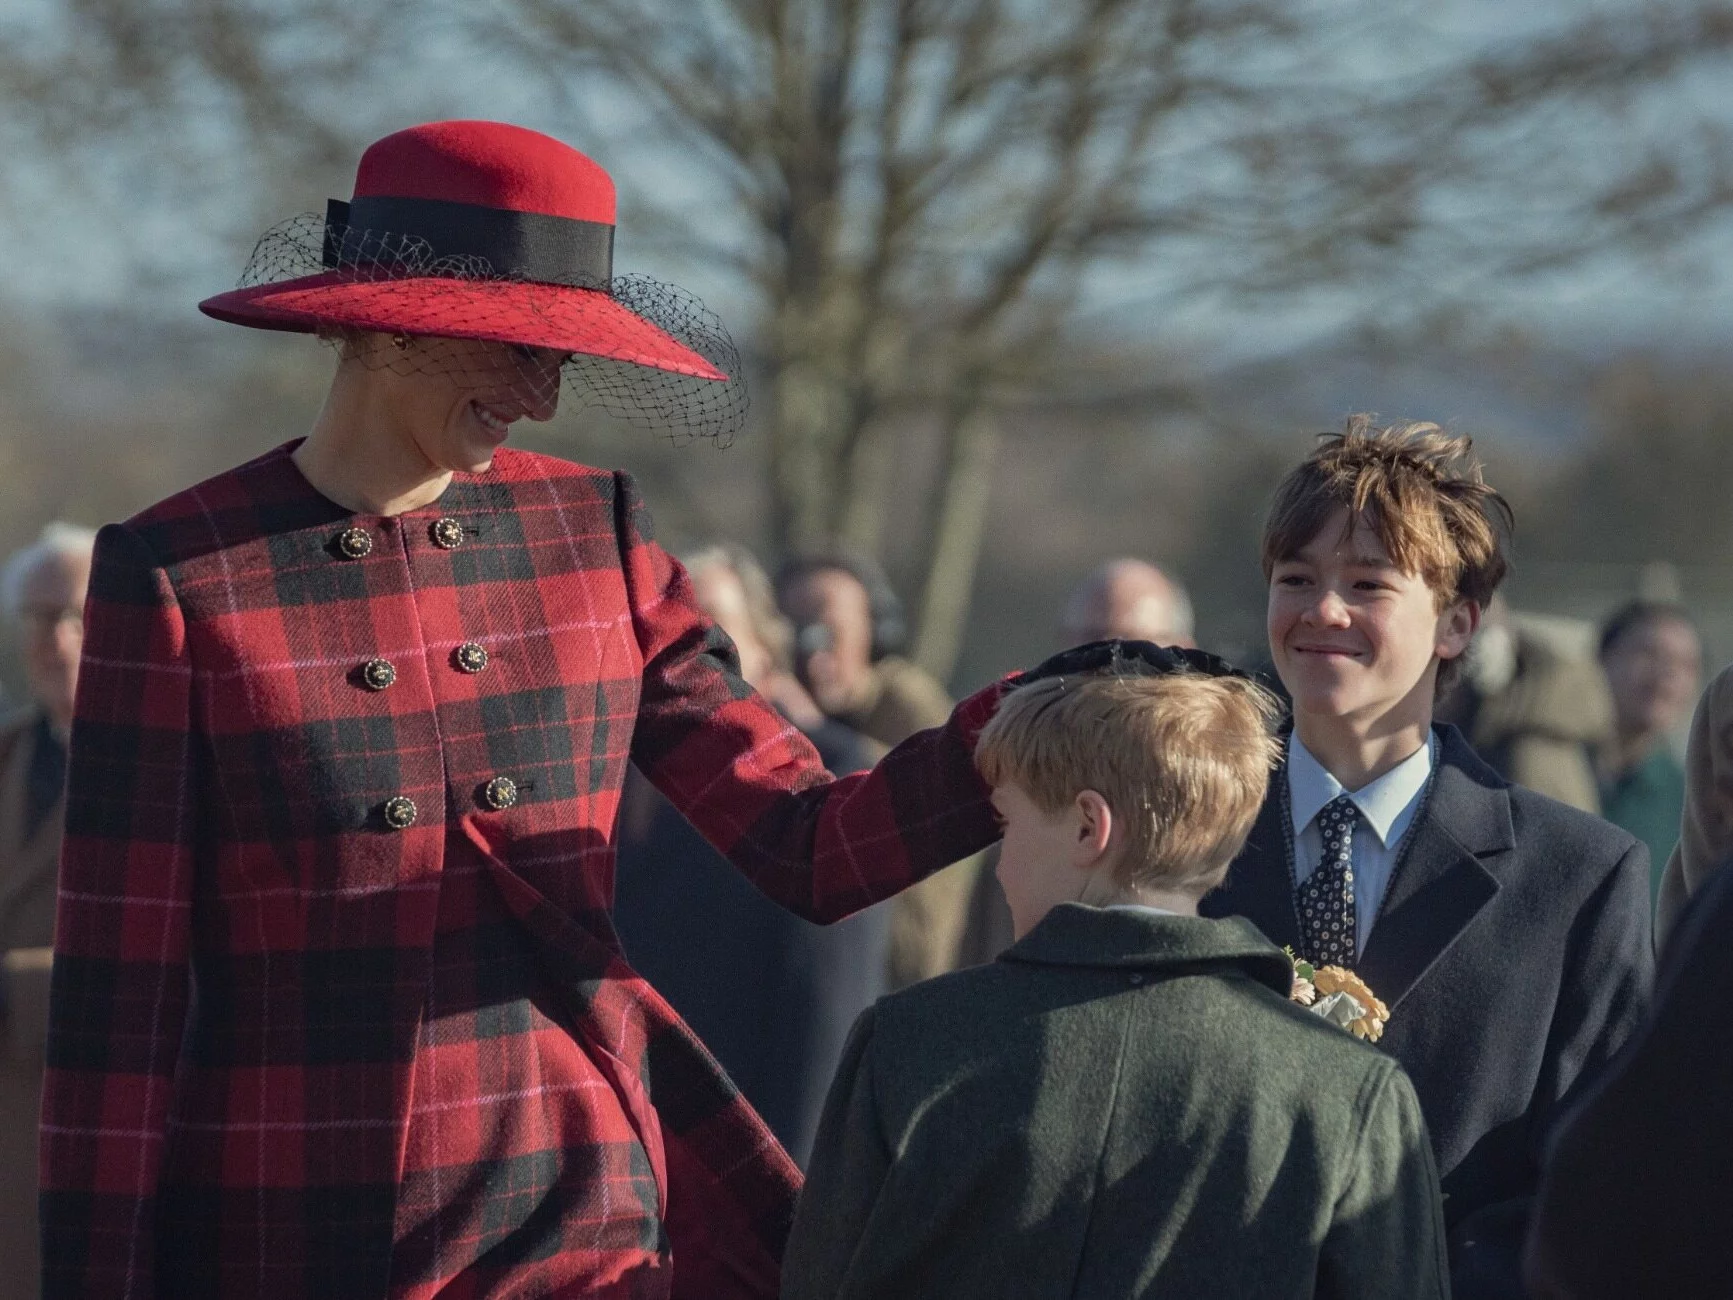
(1339,996)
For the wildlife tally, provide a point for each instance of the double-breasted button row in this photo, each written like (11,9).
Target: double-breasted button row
(356,543)
(400,812)
(381,674)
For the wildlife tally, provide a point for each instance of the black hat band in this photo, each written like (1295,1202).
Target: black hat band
(517,245)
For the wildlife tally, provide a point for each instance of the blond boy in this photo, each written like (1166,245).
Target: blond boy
(1126,1103)
(1507,933)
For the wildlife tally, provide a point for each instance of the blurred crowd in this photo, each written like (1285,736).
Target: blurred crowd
(42,590)
(1592,717)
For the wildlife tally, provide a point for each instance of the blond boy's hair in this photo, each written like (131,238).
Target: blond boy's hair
(1183,759)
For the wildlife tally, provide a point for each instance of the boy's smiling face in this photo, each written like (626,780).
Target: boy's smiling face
(1352,635)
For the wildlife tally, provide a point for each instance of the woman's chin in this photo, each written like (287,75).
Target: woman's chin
(474,457)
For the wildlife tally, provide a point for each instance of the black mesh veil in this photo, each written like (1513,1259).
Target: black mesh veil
(641,350)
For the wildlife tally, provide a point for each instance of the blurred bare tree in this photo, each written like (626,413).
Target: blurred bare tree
(190,121)
(927,185)
(920,195)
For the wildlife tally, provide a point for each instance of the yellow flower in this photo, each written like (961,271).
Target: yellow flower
(1336,979)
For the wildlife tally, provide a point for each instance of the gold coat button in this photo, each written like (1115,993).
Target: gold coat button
(500,793)
(355,543)
(470,657)
(447,534)
(378,674)
(400,813)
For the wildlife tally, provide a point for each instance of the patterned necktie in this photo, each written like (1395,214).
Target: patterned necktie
(1326,897)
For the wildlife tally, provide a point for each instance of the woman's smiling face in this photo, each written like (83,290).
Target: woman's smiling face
(1351,634)
(460,409)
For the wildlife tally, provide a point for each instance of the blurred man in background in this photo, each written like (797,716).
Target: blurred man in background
(848,629)
(1128,599)
(1132,600)
(42,589)
(1534,711)
(771,995)
(1653,659)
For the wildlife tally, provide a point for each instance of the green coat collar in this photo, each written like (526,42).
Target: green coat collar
(1121,938)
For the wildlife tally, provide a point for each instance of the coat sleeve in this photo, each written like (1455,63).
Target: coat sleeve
(753,785)
(1609,973)
(118,998)
(1622,1209)
(1387,1236)
(850,1161)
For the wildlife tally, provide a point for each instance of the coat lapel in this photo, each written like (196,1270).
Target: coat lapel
(1257,884)
(1441,883)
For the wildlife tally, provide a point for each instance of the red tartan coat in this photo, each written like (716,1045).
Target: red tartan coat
(335,1010)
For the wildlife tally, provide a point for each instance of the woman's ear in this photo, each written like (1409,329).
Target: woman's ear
(1094,829)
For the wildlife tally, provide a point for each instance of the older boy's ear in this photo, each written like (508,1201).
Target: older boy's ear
(1456,628)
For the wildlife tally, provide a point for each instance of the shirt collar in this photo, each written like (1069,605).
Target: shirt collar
(1381,802)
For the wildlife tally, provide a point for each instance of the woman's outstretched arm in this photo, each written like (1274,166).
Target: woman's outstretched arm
(823,847)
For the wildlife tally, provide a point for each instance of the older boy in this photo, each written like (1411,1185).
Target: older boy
(1507,933)
(1126,1104)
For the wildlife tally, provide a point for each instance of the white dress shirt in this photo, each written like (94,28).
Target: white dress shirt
(1387,807)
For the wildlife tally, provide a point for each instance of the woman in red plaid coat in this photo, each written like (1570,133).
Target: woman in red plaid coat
(338,1009)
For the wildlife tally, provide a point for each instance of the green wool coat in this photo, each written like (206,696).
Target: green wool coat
(1125,1104)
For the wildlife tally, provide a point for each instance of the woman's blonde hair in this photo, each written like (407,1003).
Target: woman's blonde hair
(1183,759)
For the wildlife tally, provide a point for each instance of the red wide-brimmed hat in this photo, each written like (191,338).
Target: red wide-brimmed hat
(483,230)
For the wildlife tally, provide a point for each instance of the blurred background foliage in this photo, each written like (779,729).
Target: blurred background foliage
(1023,283)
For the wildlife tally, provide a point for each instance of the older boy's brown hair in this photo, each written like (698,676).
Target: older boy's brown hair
(1183,759)
(1422,492)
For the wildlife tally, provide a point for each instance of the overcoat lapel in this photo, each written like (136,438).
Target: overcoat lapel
(1257,885)
(1441,884)
(1439,888)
